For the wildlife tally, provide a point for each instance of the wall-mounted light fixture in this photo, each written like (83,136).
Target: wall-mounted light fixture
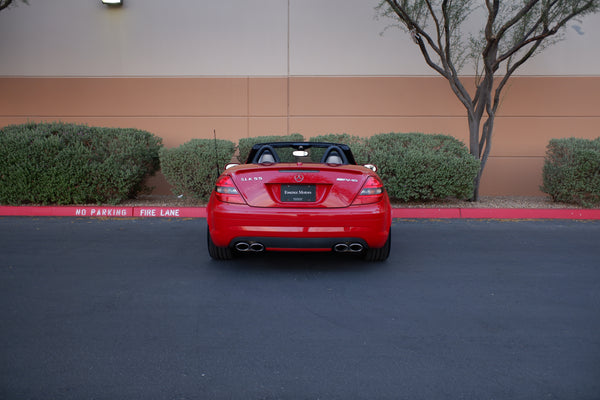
(113,2)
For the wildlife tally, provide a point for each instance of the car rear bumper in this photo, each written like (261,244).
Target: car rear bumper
(349,244)
(299,228)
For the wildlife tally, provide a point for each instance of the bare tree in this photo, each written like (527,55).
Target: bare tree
(512,32)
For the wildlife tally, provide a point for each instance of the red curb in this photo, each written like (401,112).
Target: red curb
(531,213)
(425,212)
(103,211)
(66,211)
(200,212)
(170,212)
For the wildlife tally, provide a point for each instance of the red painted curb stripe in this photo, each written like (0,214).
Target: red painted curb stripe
(170,212)
(531,213)
(200,212)
(74,211)
(66,211)
(425,212)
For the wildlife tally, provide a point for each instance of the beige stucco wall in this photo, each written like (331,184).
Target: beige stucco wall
(244,68)
(178,109)
(237,38)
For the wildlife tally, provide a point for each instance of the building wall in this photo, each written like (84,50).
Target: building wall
(277,66)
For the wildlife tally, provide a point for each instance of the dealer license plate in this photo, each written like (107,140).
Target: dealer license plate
(298,193)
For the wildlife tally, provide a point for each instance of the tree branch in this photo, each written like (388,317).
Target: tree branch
(547,31)
(518,16)
(511,69)
(436,21)
(423,39)
(4,4)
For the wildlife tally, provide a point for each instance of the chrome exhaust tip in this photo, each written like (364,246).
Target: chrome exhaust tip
(242,246)
(257,247)
(355,247)
(341,247)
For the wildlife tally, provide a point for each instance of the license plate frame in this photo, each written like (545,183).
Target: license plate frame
(298,193)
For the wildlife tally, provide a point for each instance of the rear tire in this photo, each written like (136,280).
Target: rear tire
(382,253)
(216,252)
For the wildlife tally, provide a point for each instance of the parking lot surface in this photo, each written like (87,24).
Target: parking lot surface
(135,309)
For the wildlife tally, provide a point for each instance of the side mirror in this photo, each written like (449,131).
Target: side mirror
(371,167)
(231,165)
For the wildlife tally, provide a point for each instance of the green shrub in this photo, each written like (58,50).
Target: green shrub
(572,171)
(58,163)
(193,167)
(357,144)
(420,167)
(245,144)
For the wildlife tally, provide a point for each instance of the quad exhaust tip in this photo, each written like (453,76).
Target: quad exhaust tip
(348,247)
(245,246)
(338,247)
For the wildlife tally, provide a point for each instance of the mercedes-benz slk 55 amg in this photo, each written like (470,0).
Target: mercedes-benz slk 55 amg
(299,196)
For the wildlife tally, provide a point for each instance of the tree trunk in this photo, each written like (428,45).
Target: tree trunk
(474,126)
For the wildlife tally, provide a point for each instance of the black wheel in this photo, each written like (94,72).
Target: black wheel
(382,253)
(217,253)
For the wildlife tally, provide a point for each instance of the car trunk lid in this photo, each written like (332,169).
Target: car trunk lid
(294,185)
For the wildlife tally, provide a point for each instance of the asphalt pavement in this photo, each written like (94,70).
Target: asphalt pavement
(135,309)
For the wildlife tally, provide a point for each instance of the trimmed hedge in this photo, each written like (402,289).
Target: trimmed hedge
(193,167)
(59,163)
(357,144)
(420,167)
(413,166)
(245,144)
(571,171)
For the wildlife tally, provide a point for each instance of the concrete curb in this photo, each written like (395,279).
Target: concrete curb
(200,212)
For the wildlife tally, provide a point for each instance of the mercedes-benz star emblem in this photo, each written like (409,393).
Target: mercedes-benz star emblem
(299,178)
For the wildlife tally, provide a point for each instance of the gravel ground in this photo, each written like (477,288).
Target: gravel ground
(485,202)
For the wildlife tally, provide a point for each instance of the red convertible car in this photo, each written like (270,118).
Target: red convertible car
(299,196)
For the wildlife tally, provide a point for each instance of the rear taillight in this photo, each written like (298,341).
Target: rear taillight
(227,192)
(372,191)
